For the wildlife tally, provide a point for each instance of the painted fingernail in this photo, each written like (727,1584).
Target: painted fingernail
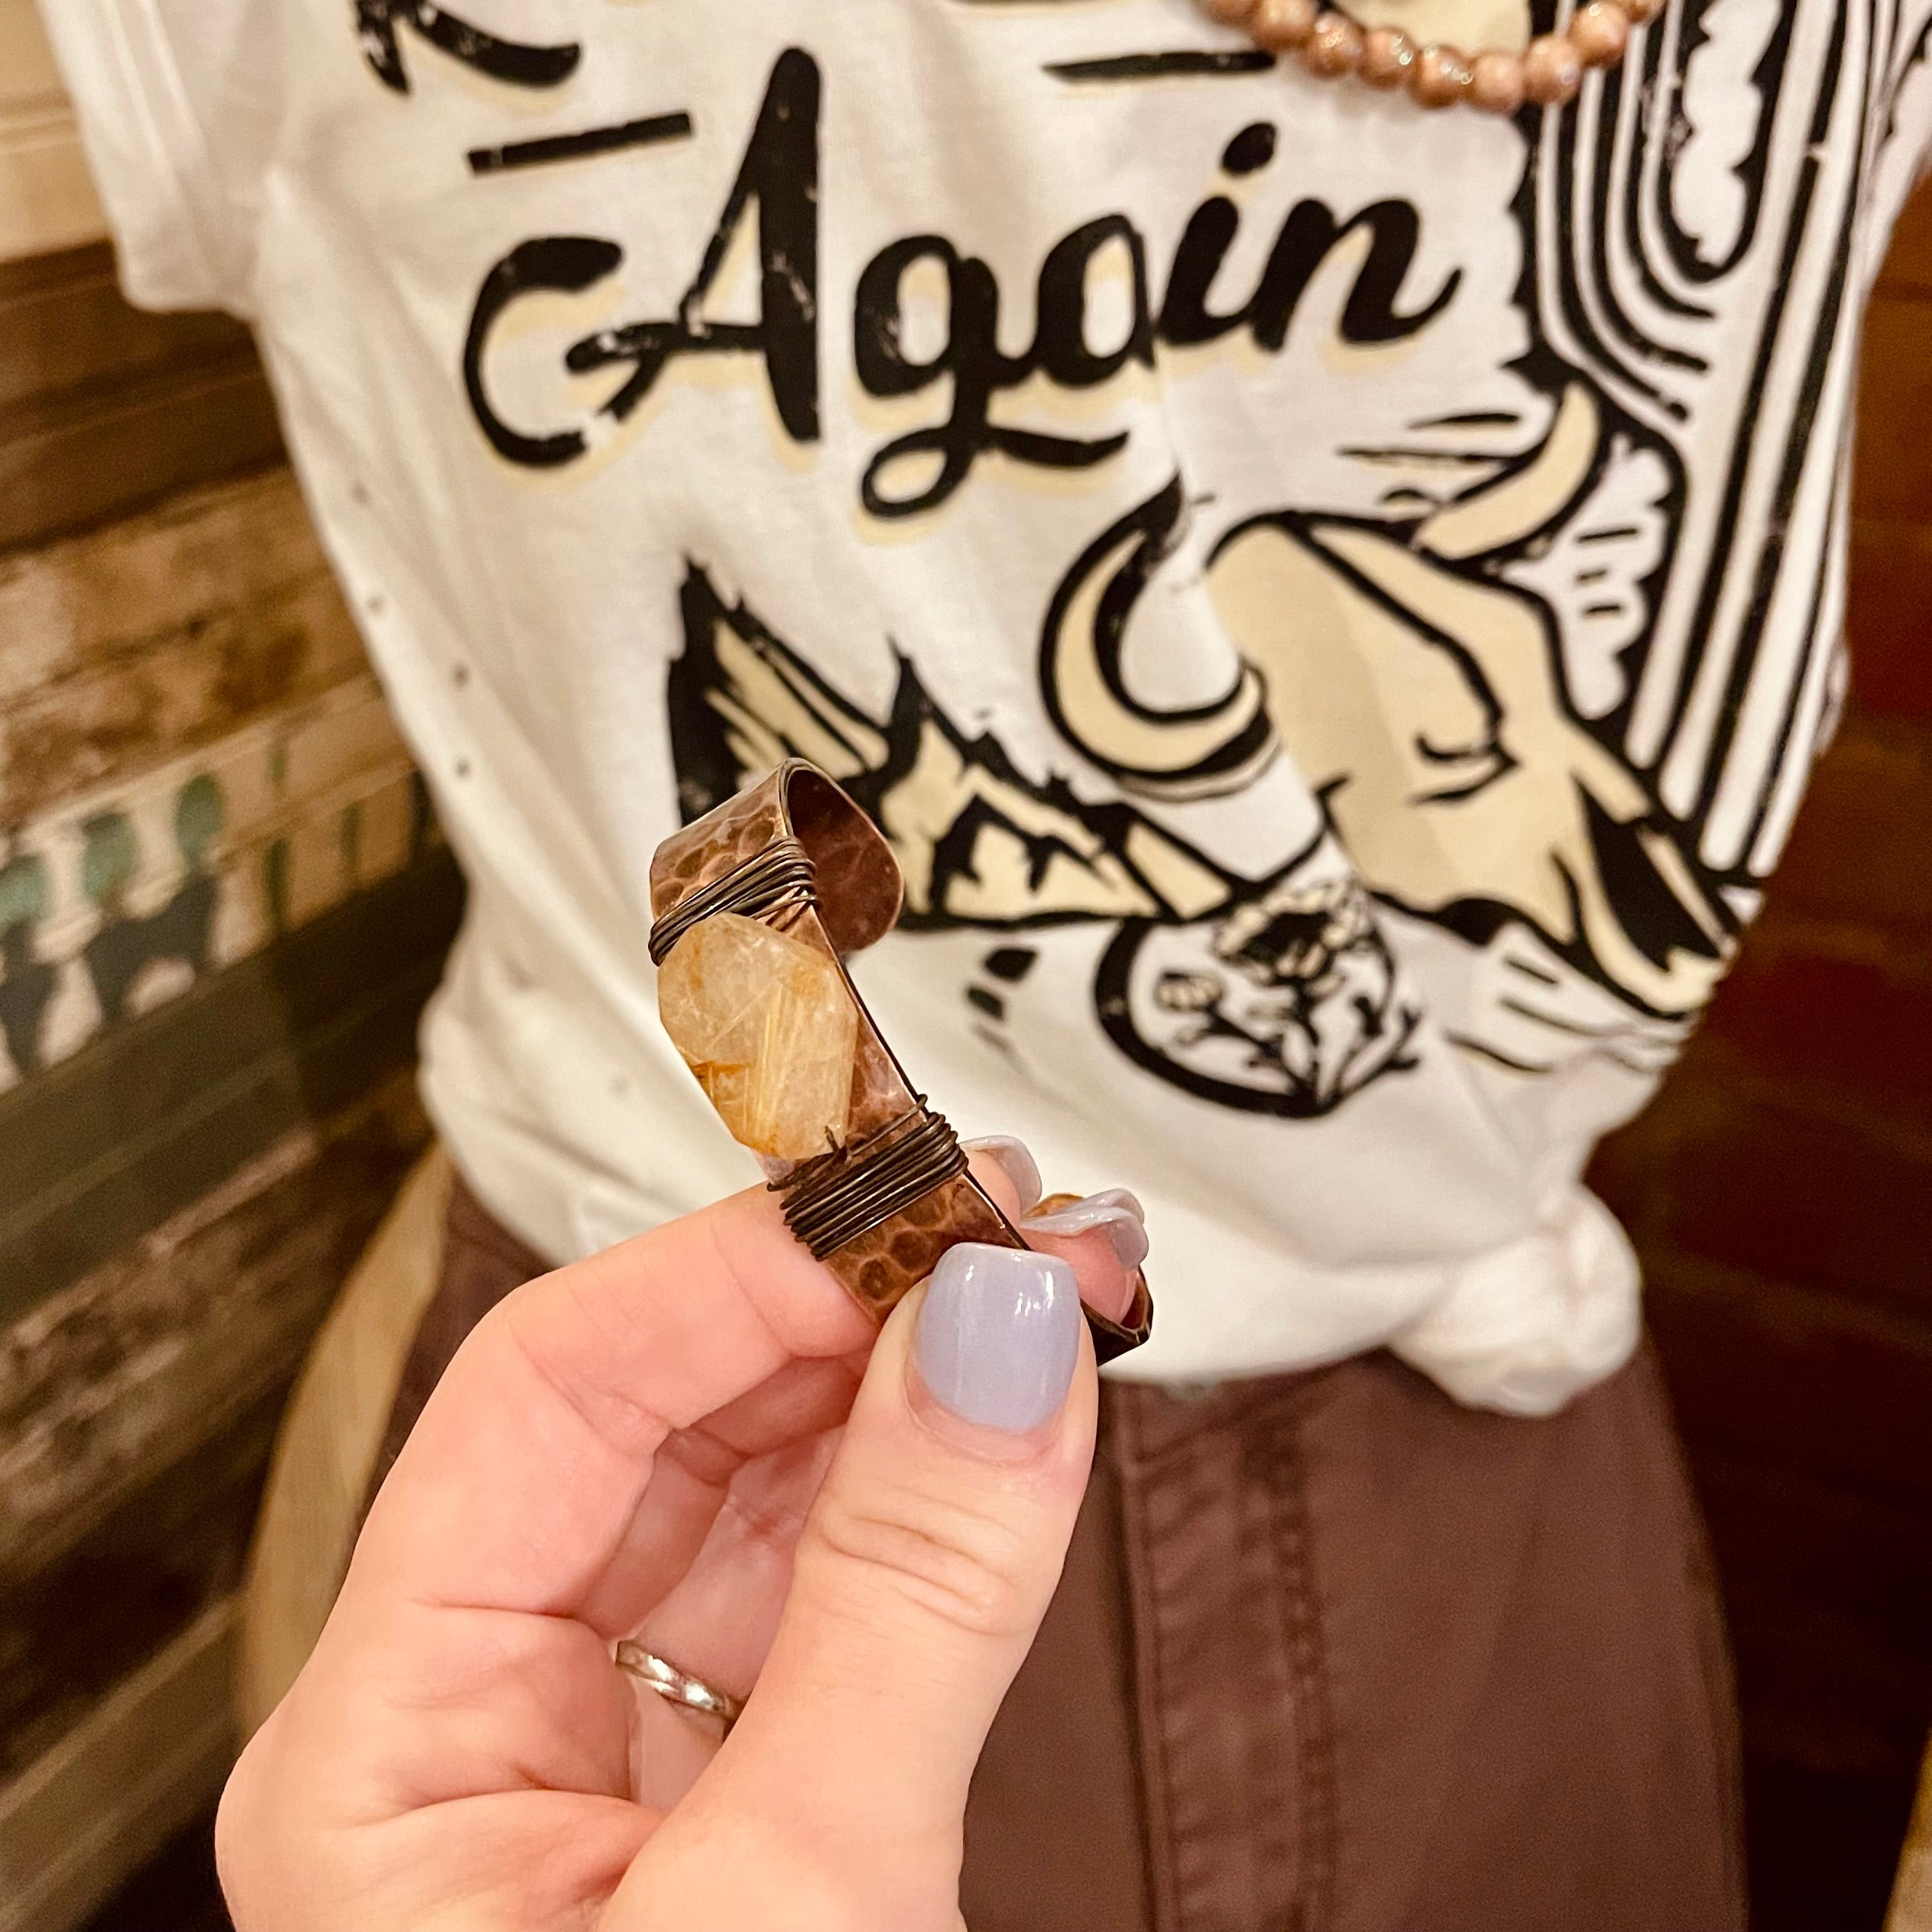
(1019,1166)
(1114,1212)
(999,1335)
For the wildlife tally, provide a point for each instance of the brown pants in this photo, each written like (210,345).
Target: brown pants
(1332,1654)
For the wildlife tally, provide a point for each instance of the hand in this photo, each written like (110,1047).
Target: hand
(693,1440)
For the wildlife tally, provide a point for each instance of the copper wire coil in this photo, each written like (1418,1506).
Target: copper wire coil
(836,1198)
(781,876)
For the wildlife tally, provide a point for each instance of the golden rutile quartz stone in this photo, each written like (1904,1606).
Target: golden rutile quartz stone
(766,1023)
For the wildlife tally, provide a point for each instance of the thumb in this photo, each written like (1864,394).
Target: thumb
(920,1581)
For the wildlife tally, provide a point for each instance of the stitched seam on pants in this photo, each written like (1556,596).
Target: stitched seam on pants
(1163,1902)
(1712,1639)
(1196,1822)
(1314,1723)
(1210,1820)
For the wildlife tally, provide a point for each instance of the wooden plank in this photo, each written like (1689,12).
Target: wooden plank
(1908,263)
(1832,1025)
(114,903)
(1892,474)
(108,1145)
(1889,622)
(1828,1593)
(66,332)
(130,1584)
(150,1757)
(1828,1589)
(105,410)
(1802,1182)
(26,68)
(1793,1378)
(193,758)
(137,1414)
(1854,860)
(111,1383)
(180,688)
(119,451)
(82,606)
(47,199)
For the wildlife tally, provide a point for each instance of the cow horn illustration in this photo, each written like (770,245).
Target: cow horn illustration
(1192,752)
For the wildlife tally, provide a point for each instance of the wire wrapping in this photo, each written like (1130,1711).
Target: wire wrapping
(780,876)
(835,1198)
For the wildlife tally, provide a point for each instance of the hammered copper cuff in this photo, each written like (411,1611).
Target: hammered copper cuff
(891,1191)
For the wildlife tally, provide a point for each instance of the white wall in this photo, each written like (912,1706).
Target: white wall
(45,200)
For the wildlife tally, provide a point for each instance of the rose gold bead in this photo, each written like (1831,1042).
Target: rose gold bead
(1440,77)
(1334,47)
(1599,31)
(1230,13)
(1387,55)
(1496,83)
(1640,10)
(1281,24)
(1552,70)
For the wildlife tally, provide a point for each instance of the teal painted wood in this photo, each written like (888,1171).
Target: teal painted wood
(159,1109)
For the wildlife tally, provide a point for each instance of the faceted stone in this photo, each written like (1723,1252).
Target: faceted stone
(767,1023)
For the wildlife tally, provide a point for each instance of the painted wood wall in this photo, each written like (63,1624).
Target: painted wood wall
(47,201)
(222,903)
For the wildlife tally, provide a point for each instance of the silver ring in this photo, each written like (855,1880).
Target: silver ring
(676,1686)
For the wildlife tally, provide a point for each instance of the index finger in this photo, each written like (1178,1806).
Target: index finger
(528,1467)
(528,1463)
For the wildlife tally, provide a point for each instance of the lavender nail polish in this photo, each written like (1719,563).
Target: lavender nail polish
(1115,1213)
(1021,1168)
(999,1335)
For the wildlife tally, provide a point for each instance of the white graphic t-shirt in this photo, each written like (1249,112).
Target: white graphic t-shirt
(1333,604)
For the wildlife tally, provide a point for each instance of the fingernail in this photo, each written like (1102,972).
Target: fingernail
(1115,1213)
(999,1335)
(1020,1168)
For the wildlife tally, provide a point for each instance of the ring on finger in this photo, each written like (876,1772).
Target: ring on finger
(677,1686)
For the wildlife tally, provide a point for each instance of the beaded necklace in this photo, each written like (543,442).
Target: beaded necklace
(1548,71)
